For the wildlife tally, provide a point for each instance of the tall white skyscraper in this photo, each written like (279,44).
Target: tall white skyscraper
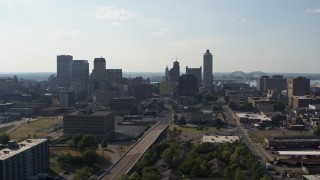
(207,70)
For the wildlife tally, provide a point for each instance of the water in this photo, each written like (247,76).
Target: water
(154,76)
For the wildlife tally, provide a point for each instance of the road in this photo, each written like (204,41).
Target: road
(230,118)
(125,164)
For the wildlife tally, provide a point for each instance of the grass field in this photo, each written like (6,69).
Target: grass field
(257,136)
(193,130)
(4,129)
(35,128)
(55,152)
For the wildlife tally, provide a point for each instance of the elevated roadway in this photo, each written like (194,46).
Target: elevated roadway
(126,163)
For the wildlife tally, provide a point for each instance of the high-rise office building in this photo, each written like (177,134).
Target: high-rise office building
(174,72)
(187,85)
(274,82)
(197,72)
(24,160)
(99,69)
(207,70)
(80,77)
(114,75)
(64,70)
(299,86)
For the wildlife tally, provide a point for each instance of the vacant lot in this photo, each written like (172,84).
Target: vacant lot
(194,130)
(257,136)
(6,128)
(38,128)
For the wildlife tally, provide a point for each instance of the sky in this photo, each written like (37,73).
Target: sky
(147,36)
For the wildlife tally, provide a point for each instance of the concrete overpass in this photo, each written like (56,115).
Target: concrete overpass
(128,160)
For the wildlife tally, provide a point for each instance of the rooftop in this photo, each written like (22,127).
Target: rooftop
(89,113)
(24,145)
(262,117)
(219,139)
(299,153)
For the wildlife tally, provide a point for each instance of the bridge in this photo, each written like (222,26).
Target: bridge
(128,160)
(243,75)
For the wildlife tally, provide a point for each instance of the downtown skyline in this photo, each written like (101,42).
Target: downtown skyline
(143,36)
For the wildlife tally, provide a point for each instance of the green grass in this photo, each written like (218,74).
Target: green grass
(6,128)
(34,128)
(55,152)
(193,130)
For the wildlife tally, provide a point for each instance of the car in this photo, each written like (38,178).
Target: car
(66,172)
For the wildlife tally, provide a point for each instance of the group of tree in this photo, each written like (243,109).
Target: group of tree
(206,97)
(196,160)
(246,106)
(84,141)
(87,145)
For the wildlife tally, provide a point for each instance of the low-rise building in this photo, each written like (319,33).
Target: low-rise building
(100,124)
(262,104)
(295,143)
(251,118)
(24,160)
(219,139)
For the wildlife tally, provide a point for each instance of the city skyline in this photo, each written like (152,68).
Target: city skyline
(145,36)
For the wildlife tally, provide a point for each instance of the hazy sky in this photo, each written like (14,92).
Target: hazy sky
(148,35)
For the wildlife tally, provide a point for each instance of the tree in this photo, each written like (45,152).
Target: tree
(65,159)
(196,171)
(87,141)
(232,105)
(238,174)
(104,143)
(182,121)
(4,139)
(76,139)
(124,177)
(174,134)
(265,177)
(89,156)
(279,106)
(186,166)
(149,173)
(135,176)
(247,106)
(83,173)
(226,99)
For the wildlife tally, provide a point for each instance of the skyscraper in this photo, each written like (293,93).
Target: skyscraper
(80,77)
(99,69)
(174,72)
(197,72)
(64,70)
(274,82)
(299,86)
(187,85)
(207,70)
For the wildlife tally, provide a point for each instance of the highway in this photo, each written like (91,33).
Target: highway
(125,164)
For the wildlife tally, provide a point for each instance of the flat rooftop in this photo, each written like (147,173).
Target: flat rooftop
(24,145)
(262,117)
(219,139)
(93,113)
(294,140)
(299,153)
